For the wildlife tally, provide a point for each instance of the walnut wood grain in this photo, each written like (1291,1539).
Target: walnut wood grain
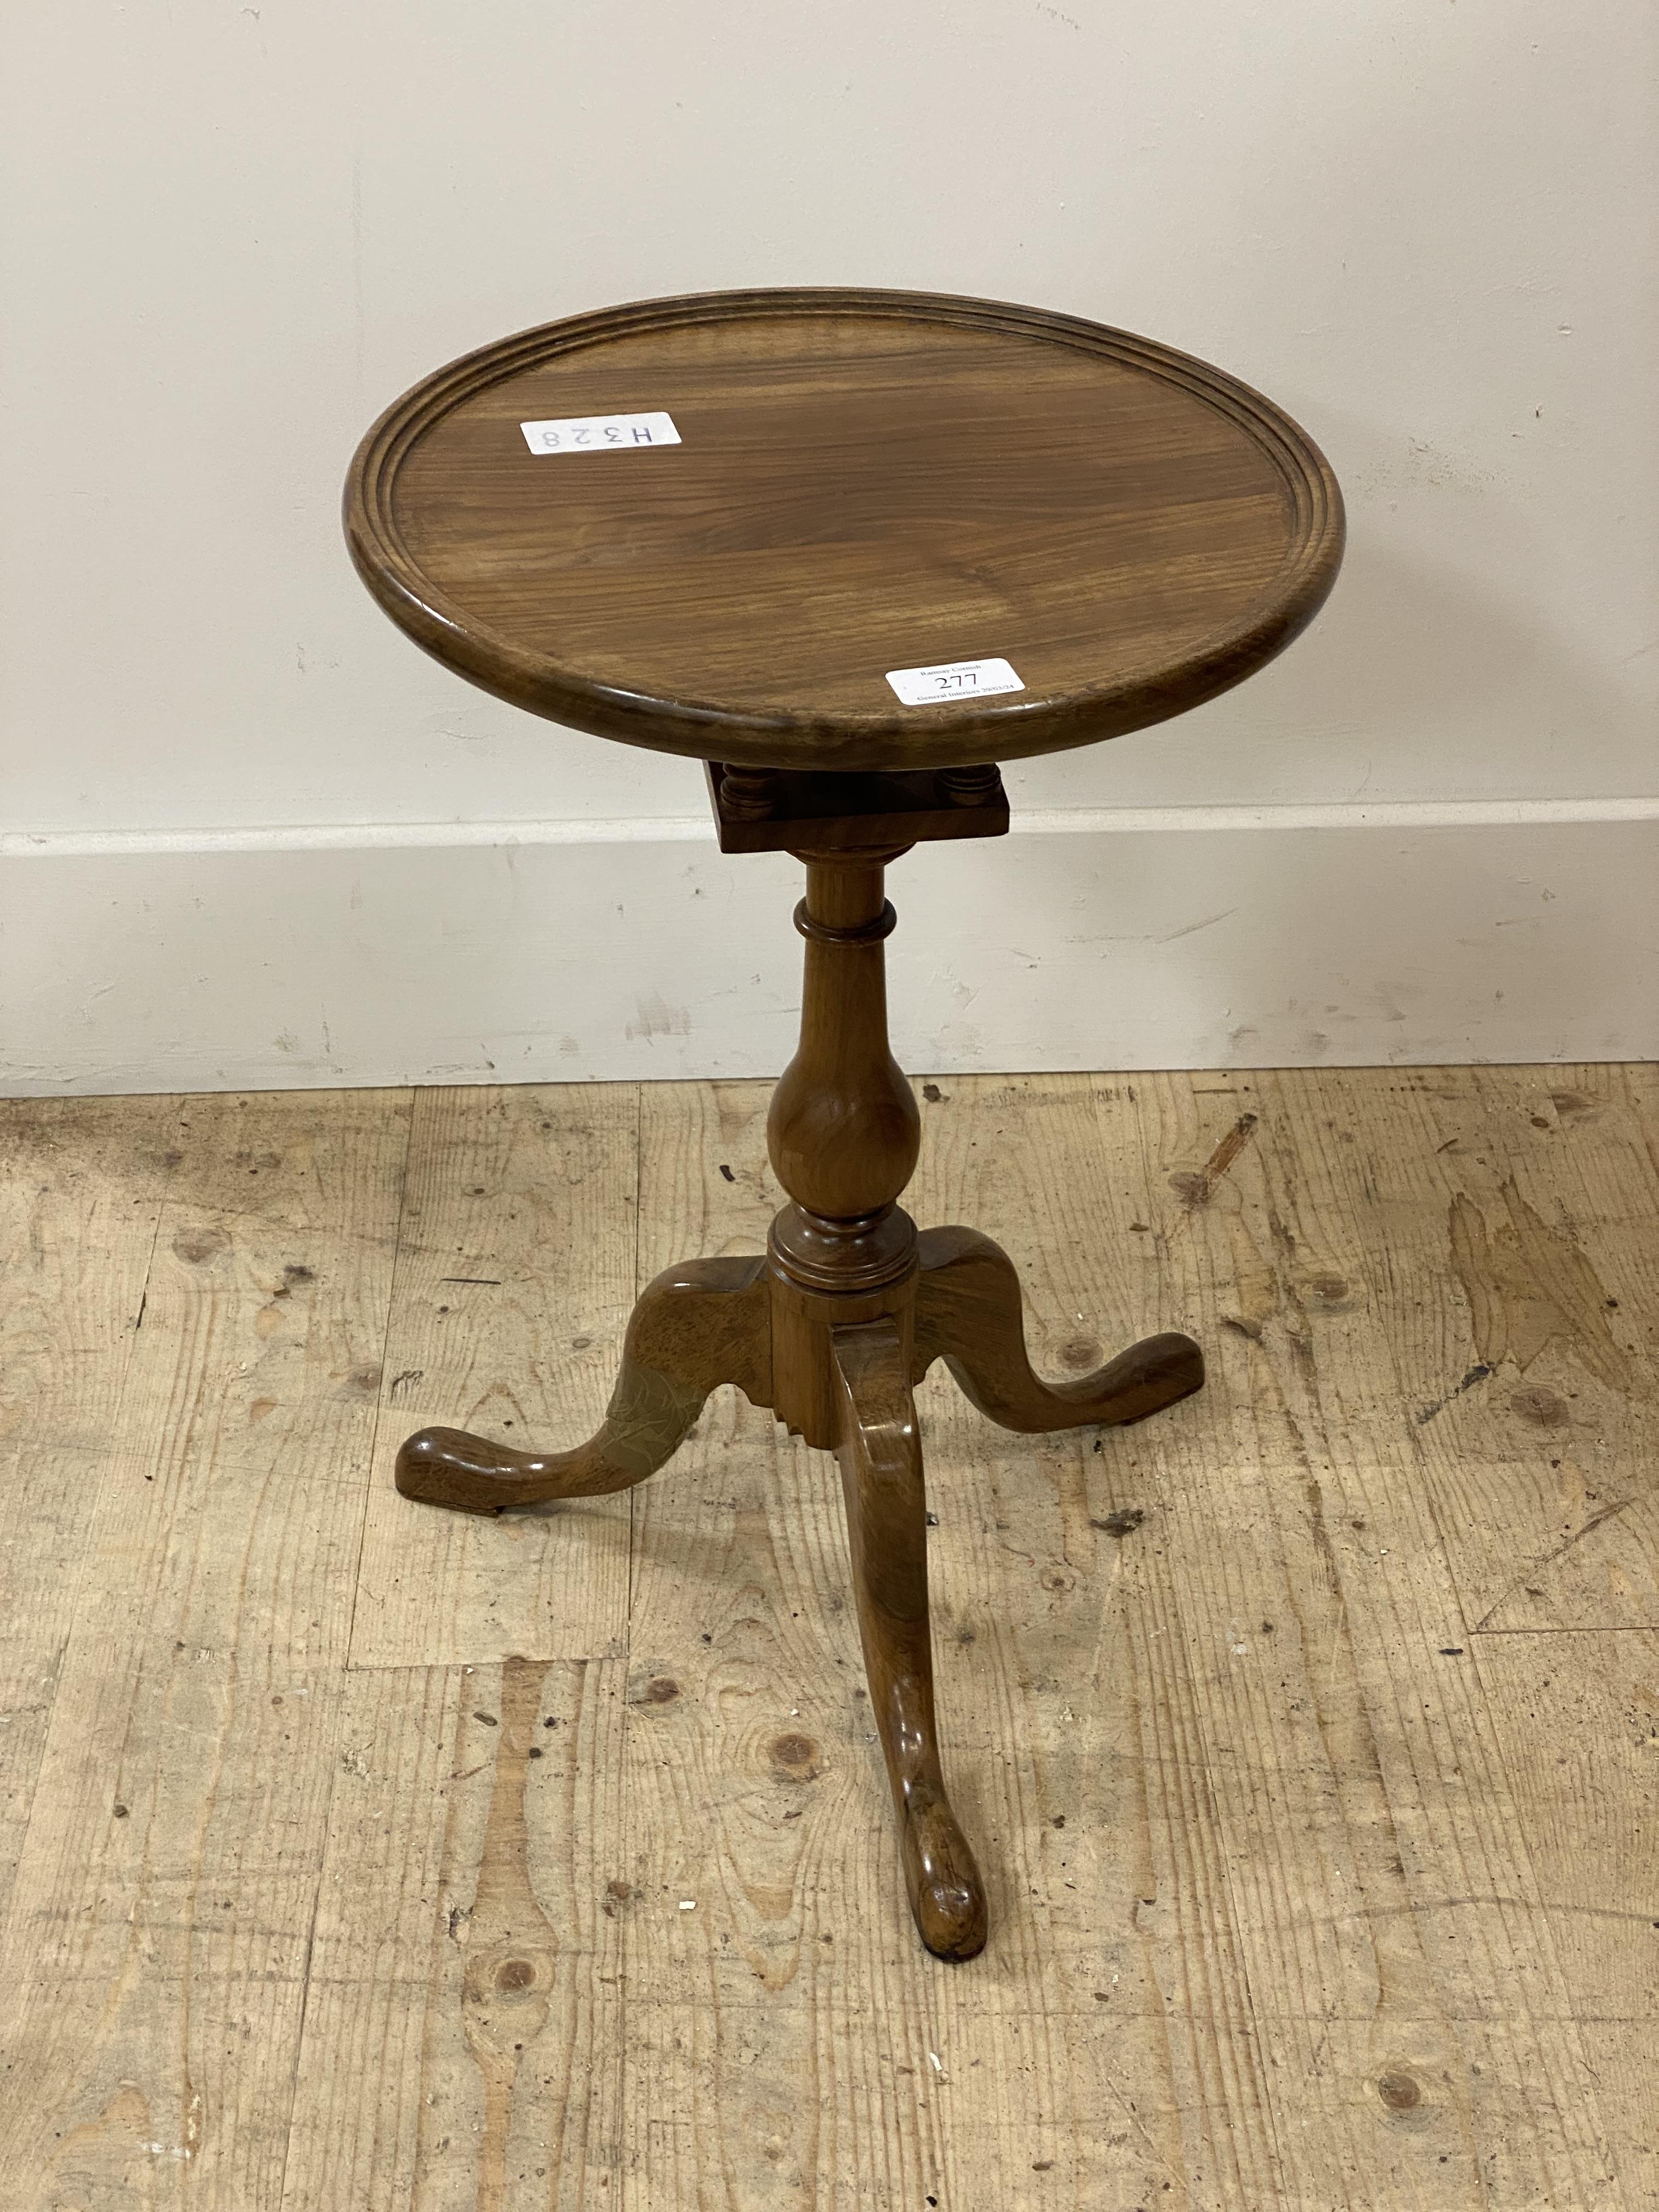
(866,481)
(886,1494)
(695,1326)
(968,1313)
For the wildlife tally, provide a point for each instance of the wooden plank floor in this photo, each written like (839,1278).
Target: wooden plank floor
(358,1857)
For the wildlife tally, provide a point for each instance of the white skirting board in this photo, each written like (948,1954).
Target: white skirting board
(1194,938)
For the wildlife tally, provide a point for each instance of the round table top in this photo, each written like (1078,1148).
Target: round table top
(850,485)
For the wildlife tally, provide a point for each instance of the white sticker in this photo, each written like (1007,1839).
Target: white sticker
(599,434)
(953,680)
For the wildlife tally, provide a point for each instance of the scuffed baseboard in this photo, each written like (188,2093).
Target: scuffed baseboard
(262,960)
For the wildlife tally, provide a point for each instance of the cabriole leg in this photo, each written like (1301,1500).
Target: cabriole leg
(887,1527)
(695,1327)
(968,1314)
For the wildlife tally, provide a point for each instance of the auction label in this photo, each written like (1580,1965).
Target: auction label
(952,680)
(600,433)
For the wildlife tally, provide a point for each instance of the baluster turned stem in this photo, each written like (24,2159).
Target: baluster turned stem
(843,1131)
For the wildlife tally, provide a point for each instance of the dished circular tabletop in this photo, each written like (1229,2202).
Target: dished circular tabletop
(865,482)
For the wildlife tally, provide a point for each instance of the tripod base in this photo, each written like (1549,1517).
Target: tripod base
(850,1307)
(838,1368)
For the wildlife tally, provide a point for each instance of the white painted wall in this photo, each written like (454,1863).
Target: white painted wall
(233,233)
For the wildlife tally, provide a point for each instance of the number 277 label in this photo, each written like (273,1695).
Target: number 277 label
(951,680)
(599,434)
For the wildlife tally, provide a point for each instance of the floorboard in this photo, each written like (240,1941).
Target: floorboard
(353,1854)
